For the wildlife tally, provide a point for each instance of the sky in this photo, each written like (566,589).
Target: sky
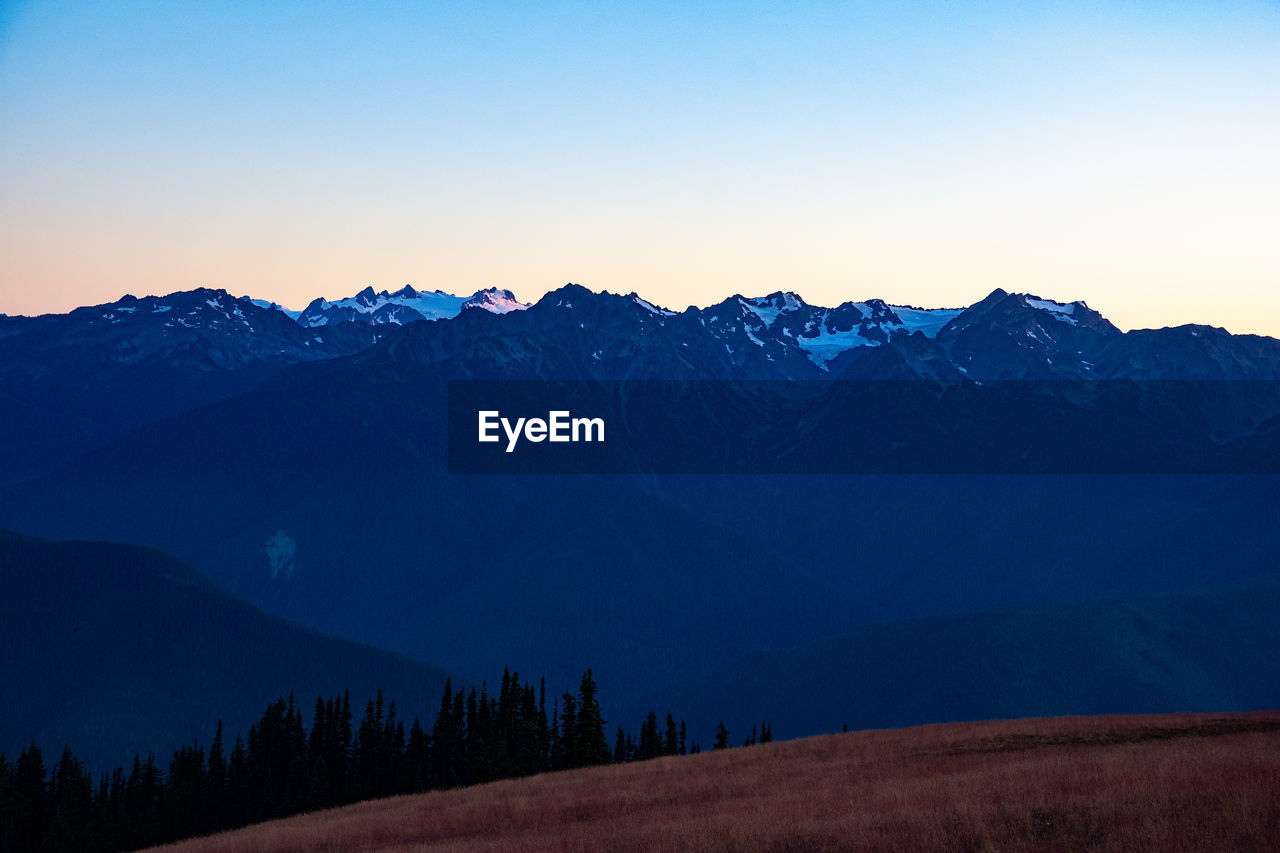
(1123,153)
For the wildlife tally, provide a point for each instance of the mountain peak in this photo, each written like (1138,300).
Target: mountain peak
(568,294)
(495,301)
(781,300)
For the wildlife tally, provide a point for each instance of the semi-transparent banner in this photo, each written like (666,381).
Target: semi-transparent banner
(860,427)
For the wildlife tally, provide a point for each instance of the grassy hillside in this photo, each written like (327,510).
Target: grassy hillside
(1167,783)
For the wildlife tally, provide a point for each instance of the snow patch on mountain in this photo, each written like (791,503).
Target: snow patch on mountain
(927,321)
(651,308)
(1058,310)
(291,313)
(827,344)
(767,308)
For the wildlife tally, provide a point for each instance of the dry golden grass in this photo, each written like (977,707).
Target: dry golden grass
(1166,783)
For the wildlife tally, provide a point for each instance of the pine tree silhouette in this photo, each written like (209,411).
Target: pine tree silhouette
(280,767)
(722,737)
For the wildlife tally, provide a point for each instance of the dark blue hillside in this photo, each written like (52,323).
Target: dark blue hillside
(389,549)
(70,382)
(115,649)
(1210,652)
(647,580)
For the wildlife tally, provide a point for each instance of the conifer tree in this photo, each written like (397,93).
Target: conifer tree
(650,743)
(70,802)
(530,754)
(417,758)
(30,809)
(216,774)
(590,746)
(6,800)
(545,728)
(671,739)
(240,802)
(567,741)
(620,751)
(143,791)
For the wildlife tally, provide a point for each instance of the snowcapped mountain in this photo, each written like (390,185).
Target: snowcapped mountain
(1015,335)
(495,301)
(405,305)
(784,322)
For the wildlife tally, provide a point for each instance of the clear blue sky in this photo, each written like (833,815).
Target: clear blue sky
(1121,153)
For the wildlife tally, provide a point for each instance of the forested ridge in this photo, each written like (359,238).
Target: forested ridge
(281,767)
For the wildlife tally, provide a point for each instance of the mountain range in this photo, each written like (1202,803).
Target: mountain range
(245,434)
(80,379)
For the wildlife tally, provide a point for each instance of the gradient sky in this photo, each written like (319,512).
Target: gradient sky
(1124,153)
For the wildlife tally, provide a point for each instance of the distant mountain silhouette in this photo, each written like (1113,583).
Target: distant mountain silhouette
(112,649)
(1115,656)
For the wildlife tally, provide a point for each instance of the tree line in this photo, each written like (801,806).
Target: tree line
(280,767)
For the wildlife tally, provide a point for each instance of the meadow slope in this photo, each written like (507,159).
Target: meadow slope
(1169,782)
